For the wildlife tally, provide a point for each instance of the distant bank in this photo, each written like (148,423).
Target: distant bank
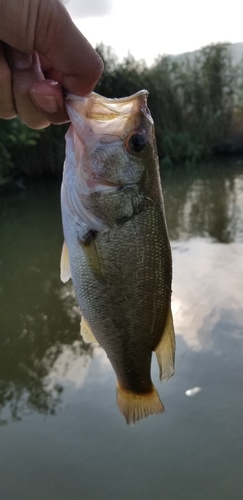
(196,100)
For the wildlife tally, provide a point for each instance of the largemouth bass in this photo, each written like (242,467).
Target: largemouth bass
(116,247)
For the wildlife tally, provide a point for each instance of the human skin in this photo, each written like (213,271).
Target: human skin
(42,55)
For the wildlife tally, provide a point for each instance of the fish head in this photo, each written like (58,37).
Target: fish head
(111,139)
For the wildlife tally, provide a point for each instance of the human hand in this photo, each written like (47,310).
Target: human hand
(41,53)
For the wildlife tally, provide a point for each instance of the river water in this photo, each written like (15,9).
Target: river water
(61,434)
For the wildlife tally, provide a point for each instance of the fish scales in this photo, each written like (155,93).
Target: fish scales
(119,319)
(122,273)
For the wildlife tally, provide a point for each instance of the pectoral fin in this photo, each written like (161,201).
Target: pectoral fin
(165,350)
(86,332)
(91,254)
(65,264)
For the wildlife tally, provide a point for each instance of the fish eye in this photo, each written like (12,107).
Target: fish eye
(137,142)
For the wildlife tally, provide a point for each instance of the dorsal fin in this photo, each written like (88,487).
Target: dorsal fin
(165,350)
(65,264)
(86,333)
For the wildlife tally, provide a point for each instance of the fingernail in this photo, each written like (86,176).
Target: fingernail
(46,102)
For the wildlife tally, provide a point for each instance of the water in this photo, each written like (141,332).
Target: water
(61,435)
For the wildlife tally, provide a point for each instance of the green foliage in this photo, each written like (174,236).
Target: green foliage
(193,99)
(196,101)
(47,155)
(29,153)
(120,79)
(15,138)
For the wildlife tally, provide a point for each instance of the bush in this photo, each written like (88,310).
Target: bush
(195,100)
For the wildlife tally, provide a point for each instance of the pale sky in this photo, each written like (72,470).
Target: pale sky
(149,28)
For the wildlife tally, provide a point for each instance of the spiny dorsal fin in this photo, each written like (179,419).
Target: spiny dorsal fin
(134,406)
(86,333)
(65,264)
(165,350)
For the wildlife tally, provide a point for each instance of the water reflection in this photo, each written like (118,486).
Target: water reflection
(208,203)
(40,355)
(39,333)
(41,352)
(206,286)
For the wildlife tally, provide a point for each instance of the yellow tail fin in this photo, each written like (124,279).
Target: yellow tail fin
(134,407)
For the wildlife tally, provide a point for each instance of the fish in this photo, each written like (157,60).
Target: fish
(116,246)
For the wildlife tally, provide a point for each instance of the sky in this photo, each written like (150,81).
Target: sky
(147,29)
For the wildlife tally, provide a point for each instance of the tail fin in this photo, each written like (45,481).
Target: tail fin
(134,407)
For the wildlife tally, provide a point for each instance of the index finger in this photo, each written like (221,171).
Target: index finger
(67,50)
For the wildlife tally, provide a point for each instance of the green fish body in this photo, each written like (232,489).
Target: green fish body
(116,248)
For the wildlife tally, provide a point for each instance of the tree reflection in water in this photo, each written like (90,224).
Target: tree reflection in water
(34,366)
(39,335)
(207,203)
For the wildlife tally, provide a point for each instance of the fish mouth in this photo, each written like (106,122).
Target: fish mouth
(105,108)
(105,116)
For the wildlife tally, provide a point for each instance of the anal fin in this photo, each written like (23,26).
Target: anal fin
(165,350)
(86,332)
